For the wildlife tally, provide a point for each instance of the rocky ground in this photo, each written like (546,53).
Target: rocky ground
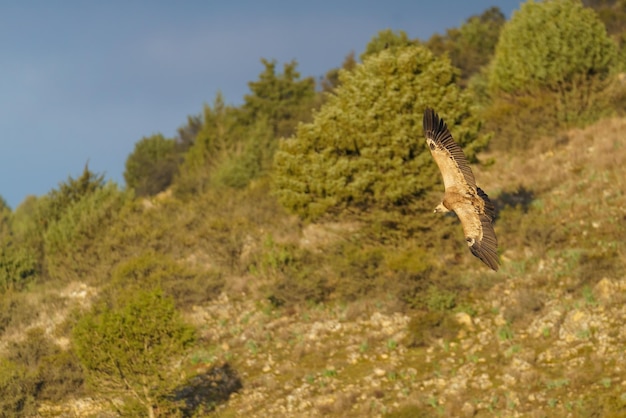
(564,358)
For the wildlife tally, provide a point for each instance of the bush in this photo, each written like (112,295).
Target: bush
(558,45)
(428,326)
(70,242)
(470,46)
(130,351)
(16,387)
(226,151)
(18,267)
(516,120)
(52,374)
(150,270)
(58,200)
(152,165)
(16,310)
(551,70)
(294,274)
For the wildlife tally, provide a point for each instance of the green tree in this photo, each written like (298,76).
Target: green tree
(23,257)
(331,79)
(613,15)
(130,351)
(227,151)
(188,132)
(71,243)
(151,167)
(58,200)
(365,148)
(472,45)
(551,70)
(555,45)
(5,219)
(218,139)
(558,45)
(386,39)
(24,216)
(281,99)
(22,250)
(18,267)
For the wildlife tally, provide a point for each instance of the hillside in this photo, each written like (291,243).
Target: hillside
(281,257)
(542,337)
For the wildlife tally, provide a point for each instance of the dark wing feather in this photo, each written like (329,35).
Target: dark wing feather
(490,210)
(437,130)
(479,233)
(487,248)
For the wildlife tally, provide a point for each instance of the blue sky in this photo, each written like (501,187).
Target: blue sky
(83,80)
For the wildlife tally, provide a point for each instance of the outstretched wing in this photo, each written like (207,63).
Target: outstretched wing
(448,155)
(479,234)
(487,206)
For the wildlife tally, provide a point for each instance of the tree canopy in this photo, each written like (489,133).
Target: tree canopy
(553,44)
(471,46)
(280,98)
(151,167)
(552,70)
(386,39)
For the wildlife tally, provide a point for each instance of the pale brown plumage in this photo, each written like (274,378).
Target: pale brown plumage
(470,203)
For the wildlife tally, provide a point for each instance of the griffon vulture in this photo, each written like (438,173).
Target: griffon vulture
(470,203)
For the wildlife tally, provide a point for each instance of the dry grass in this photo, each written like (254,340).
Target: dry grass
(564,156)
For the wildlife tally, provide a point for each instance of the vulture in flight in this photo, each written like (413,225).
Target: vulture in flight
(470,203)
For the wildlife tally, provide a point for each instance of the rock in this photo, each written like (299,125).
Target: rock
(575,325)
(545,325)
(379,372)
(464,319)
(605,290)
(468,410)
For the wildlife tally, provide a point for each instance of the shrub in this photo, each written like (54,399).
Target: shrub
(427,326)
(551,69)
(53,374)
(5,219)
(558,45)
(226,151)
(70,242)
(18,267)
(470,46)
(58,200)
(16,310)
(130,351)
(187,286)
(151,167)
(294,274)
(16,387)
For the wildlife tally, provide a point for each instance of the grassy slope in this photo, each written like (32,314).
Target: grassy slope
(545,337)
(542,337)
